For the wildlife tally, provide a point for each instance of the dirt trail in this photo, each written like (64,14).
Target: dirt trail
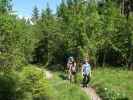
(89,91)
(92,93)
(49,75)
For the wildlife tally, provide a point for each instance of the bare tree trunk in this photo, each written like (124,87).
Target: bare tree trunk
(104,58)
(122,7)
(96,62)
(130,63)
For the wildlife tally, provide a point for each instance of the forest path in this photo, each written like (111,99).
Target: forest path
(49,74)
(89,91)
(92,93)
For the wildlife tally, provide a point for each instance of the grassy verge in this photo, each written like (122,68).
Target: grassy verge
(113,84)
(63,90)
(31,83)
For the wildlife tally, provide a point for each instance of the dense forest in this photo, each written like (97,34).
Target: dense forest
(99,29)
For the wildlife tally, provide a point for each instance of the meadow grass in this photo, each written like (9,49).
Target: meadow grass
(64,90)
(118,80)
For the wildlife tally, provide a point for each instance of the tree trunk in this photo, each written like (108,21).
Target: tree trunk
(104,57)
(122,7)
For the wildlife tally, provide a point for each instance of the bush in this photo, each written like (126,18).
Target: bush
(34,81)
(29,84)
(5,62)
(10,87)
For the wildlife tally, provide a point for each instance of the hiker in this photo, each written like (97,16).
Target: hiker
(86,73)
(71,65)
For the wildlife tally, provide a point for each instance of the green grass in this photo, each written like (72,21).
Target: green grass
(118,80)
(63,90)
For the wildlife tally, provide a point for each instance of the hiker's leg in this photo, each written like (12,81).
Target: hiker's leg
(84,80)
(72,78)
(69,76)
(75,77)
(88,79)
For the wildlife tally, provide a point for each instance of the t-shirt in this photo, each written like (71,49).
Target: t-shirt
(86,69)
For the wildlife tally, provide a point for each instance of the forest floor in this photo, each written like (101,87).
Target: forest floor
(89,91)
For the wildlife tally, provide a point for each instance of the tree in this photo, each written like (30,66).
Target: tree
(35,15)
(5,6)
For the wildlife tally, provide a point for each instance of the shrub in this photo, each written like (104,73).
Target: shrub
(5,62)
(28,84)
(10,88)
(34,81)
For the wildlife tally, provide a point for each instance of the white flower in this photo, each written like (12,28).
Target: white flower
(105,89)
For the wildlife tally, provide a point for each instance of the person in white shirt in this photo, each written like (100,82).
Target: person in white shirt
(71,65)
(86,73)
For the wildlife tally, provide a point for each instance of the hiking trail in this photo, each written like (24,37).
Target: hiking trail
(92,93)
(89,91)
(49,75)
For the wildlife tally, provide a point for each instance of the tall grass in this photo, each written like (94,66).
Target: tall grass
(113,83)
(64,90)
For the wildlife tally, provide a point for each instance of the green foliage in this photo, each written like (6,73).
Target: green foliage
(5,6)
(6,63)
(79,78)
(109,94)
(51,39)
(79,28)
(62,89)
(34,82)
(85,29)
(35,15)
(71,93)
(113,84)
(16,40)
(8,86)
(29,84)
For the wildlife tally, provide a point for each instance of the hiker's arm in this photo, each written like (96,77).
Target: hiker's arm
(90,71)
(82,70)
(74,64)
(67,64)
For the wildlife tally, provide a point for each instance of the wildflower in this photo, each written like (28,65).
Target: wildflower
(105,89)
